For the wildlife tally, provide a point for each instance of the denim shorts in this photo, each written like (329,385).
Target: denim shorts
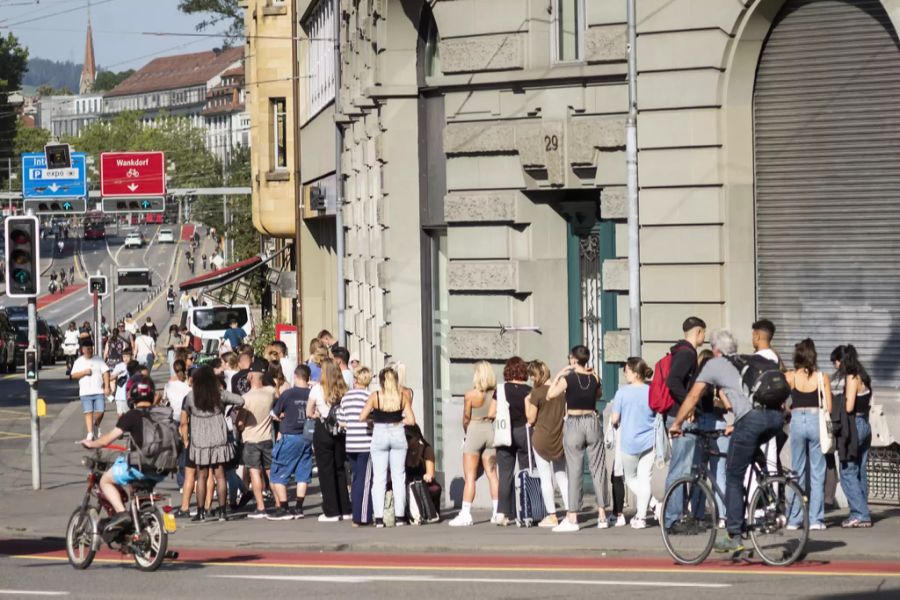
(292,455)
(123,474)
(93,403)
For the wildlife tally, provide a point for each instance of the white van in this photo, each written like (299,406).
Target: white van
(209,323)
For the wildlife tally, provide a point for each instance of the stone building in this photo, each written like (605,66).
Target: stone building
(482,176)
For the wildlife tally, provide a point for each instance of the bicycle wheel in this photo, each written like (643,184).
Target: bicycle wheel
(767,521)
(150,549)
(82,537)
(689,538)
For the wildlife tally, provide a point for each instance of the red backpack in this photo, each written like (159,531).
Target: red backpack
(661,399)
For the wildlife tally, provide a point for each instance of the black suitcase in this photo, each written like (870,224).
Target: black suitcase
(421,506)
(530,508)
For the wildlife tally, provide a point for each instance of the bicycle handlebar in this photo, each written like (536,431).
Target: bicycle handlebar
(704,433)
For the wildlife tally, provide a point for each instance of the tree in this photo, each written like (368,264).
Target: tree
(107,80)
(49,90)
(228,12)
(13,63)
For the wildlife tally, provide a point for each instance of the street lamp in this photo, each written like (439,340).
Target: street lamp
(15,100)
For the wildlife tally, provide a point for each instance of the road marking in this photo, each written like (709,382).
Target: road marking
(439,579)
(11,411)
(9,435)
(33,593)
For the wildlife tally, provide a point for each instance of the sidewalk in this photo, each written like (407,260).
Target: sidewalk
(44,513)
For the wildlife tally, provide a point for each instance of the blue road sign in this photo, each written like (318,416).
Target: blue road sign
(40,182)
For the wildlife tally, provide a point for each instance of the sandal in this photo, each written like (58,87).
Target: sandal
(856,524)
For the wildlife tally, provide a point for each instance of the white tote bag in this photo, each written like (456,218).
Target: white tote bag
(826,434)
(502,425)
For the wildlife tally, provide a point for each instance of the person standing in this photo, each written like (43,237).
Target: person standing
(546,417)
(681,377)
(292,455)
(856,437)
(255,423)
(151,328)
(359,444)
(632,416)
(582,432)
(70,346)
(809,388)
(234,335)
(131,325)
(342,356)
(329,443)
(762,334)
(145,348)
(515,389)
(92,375)
(479,410)
(391,409)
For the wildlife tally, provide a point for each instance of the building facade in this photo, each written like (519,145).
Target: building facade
(481,180)
(226,118)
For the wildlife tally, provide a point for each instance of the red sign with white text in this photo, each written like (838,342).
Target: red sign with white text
(132,174)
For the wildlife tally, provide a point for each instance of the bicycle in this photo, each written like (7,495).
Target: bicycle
(690,538)
(145,537)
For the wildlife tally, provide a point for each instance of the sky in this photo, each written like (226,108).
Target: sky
(117,25)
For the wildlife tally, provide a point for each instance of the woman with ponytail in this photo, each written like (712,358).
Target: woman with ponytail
(632,416)
(390,409)
(329,442)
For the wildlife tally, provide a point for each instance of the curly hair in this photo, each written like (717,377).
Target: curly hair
(515,369)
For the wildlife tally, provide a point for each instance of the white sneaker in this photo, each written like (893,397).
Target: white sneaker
(656,507)
(721,524)
(461,520)
(602,522)
(566,526)
(323,518)
(817,527)
(637,523)
(499,519)
(620,521)
(791,527)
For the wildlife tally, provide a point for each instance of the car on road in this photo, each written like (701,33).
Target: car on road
(7,344)
(134,240)
(48,352)
(94,231)
(166,236)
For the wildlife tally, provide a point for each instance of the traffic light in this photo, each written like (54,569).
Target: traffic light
(23,258)
(97,284)
(59,156)
(127,205)
(63,206)
(31,366)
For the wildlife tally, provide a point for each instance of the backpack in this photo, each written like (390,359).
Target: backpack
(762,380)
(196,343)
(160,448)
(660,398)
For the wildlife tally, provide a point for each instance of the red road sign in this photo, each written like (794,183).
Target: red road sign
(132,174)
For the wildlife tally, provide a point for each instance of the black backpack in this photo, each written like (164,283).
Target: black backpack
(762,380)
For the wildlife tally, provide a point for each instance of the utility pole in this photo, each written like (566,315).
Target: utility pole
(112,294)
(631,151)
(33,385)
(225,228)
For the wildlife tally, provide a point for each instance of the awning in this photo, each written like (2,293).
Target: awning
(225,275)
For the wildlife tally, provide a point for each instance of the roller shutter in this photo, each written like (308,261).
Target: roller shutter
(827,165)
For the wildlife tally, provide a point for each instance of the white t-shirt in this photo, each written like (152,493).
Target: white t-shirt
(119,370)
(228,375)
(317,395)
(144,346)
(175,392)
(70,342)
(287,368)
(131,327)
(93,383)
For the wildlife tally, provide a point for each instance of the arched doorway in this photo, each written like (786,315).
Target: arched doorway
(827,180)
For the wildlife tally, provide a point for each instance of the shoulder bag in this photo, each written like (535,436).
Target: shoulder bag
(826,431)
(502,425)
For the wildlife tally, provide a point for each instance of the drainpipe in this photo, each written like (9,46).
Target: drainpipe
(339,188)
(634,259)
(298,188)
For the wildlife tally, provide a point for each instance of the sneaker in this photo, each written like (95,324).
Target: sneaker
(298,512)
(213,515)
(199,516)
(257,514)
(400,522)
(730,543)
(620,521)
(602,523)
(181,514)
(792,527)
(566,526)
(817,527)
(462,520)
(323,518)
(721,524)
(280,514)
(637,523)
(549,521)
(379,523)
(856,523)
(500,520)
(346,517)
(656,509)
(246,497)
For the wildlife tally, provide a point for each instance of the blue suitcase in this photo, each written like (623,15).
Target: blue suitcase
(530,508)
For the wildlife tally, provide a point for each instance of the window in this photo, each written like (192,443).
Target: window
(278,112)
(568,30)
(319,28)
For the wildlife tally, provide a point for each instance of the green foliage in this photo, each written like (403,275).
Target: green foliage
(56,74)
(13,63)
(28,139)
(227,12)
(263,334)
(49,90)
(107,80)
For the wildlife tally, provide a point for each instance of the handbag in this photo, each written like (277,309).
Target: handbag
(826,430)
(502,425)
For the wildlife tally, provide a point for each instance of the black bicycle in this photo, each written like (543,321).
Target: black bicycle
(690,538)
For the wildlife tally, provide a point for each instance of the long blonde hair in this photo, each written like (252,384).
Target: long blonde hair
(332,381)
(484,379)
(399,370)
(391,395)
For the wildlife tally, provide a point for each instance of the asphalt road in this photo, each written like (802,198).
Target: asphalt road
(246,573)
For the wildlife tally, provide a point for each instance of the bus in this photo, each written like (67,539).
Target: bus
(134,278)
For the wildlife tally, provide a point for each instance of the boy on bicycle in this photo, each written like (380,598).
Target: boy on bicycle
(141,397)
(754,425)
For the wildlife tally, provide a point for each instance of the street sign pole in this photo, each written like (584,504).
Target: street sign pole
(98,342)
(112,294)
(33,395)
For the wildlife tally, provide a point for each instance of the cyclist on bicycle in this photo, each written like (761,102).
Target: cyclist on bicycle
(754,425)
(141,396)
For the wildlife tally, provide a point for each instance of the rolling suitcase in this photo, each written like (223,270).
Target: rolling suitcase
(530,508)
(421,506)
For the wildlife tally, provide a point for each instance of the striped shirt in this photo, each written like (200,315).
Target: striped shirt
(352,404)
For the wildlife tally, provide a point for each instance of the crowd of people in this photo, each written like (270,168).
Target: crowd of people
(256,427)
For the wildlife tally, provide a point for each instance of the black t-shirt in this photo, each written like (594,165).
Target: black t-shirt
(292,403)
(515,395)
(240,383)
(132,423)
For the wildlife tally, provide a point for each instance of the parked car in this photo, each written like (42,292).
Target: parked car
(166,236)
(7,344)
(56,336)
(134,240)
(94,231)
(45,341)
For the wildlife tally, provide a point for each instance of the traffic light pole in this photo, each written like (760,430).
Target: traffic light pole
(33,401)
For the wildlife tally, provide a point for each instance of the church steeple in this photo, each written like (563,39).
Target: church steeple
(89,70)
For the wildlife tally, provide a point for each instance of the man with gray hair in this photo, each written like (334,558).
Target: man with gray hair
(754,424)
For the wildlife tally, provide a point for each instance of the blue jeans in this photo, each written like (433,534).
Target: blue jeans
(388,451)
(710,422)
(854,479)
(805,443)
(684,457)
(750,431)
